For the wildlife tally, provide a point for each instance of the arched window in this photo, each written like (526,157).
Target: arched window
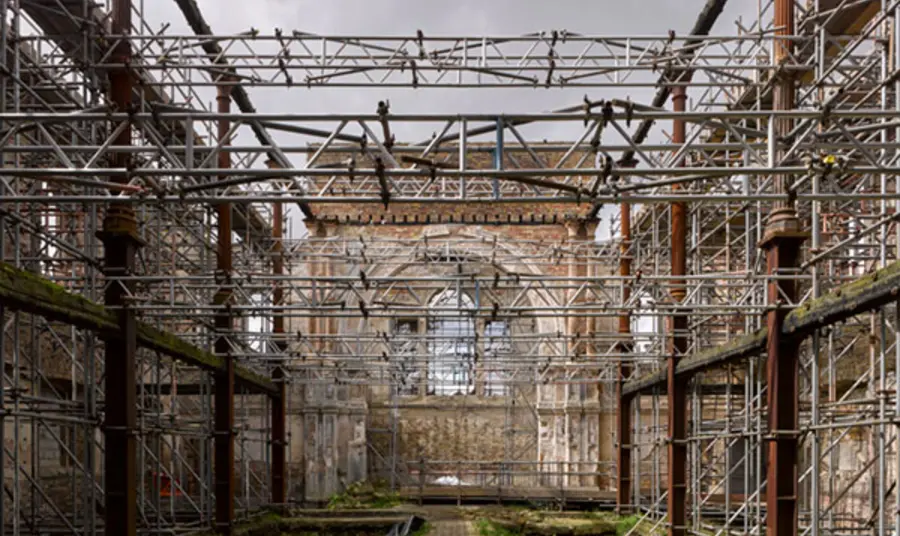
(451,344)
(497,348)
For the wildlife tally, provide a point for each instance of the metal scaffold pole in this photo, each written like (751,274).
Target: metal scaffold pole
(782,241)
(121,242)
(224,326)
(677,387)
(626,312)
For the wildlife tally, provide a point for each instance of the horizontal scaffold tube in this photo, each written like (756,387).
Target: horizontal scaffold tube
(867,293)
(23,291)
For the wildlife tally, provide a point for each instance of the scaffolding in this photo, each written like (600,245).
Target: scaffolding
(165,312)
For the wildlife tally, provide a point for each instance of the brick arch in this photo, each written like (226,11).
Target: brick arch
(544,324)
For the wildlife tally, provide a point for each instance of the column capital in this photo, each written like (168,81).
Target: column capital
(120,224)
(783,225)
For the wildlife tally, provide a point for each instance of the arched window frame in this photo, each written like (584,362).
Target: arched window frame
(404,347)
(497,348)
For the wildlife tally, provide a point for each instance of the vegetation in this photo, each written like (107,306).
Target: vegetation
(265,524)
(486,527)
(272,524)
(625,524)
(516,522)
(365,495)
(423,530)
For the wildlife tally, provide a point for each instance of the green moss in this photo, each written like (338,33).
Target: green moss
(260,382)
(423,530)
(815,310)
(625,524)
(506,521)
(365,495)
(742,345)
(31,293)
(486,527)
(739,347)
(873,290)
(272,524)
(173,346)
(339,525)
(261,526)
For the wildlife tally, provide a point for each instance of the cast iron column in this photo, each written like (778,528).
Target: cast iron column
(782,373)
(224,324)
(782,242)
(120,244)
(677,387)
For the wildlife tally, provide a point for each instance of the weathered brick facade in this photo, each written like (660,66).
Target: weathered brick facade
(559,426)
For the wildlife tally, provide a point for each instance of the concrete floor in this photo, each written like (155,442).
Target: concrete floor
(448,521)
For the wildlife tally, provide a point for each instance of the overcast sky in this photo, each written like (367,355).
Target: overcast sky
(457,17)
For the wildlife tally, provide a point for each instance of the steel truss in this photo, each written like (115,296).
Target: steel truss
(796,114)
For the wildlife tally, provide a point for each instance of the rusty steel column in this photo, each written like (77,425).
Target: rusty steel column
(784,90)
(677,387)
(224,324)
(278,403)
(623,409)
(782,241)
(120,244)
(782,374)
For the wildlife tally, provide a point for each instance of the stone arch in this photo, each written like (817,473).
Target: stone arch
(545,324)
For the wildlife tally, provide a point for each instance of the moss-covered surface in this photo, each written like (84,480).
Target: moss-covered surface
(264,525)
(865,293)
(627,523)
(173,346)
(365,495)
(486,527)
(274,525)
(487,520)
(515,522)
(339,525)
(740,347)
(31,293)
(877,288)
